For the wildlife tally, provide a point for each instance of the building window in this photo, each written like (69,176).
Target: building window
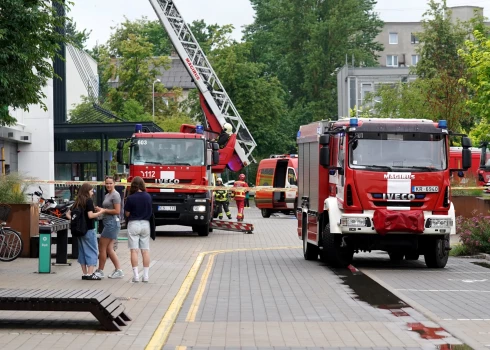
(414,39)
(415,59)
(393,38)
(391,61)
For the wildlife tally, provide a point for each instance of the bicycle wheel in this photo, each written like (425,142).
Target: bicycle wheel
(11,244)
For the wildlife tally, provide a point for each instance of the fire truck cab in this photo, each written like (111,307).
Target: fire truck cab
(278,171)
(376,184)
(177,158)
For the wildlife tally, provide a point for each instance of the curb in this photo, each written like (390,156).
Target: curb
(453,330)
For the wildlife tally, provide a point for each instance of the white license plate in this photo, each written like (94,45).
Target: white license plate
(425,188)
(167,208)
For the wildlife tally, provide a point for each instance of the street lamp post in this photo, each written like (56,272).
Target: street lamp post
(153,99)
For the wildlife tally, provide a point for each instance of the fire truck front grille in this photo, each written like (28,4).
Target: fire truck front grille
(398,204)
(163,201)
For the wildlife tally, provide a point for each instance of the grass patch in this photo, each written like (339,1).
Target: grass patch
(459,250)
(482,264)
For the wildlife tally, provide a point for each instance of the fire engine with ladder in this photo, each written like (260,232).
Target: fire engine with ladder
(376,184)
(190,156)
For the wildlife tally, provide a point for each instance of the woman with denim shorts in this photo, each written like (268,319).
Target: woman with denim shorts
(112,226)
(87,244)
(138,210)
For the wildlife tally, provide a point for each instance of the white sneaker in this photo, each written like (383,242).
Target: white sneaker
(99,273)
(135,279)
(116,274)
(145,279)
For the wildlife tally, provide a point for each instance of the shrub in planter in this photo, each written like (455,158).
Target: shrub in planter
(13,189)
(474,233)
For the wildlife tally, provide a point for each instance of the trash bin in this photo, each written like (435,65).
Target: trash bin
(45,250)
(47,225)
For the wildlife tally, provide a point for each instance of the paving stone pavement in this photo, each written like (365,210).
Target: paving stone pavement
(456,297)
(260,299)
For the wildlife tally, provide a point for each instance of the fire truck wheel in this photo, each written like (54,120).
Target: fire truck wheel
(436,252)
(412,256)
(396,256)
(310,251)
(266,213)
(332,253)
(201,230)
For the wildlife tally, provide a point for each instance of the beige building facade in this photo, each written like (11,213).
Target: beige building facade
(400,39)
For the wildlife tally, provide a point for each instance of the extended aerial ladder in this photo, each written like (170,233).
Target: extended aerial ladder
(216,104)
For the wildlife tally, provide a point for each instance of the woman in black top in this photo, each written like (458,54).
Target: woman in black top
(138,209)
(87,245)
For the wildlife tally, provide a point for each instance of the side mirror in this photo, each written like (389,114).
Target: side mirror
(215,146)
(324,140)
(325,156)
(119,155)
(215,157)
(120,144)
(466,142)
(466,158)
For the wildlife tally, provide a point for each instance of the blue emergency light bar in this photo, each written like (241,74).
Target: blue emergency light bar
(442,124)
(199,129)
(353,122)
(138,128)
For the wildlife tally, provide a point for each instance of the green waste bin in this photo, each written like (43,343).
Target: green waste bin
(44,250)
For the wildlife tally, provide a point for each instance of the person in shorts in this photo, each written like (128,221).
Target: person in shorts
(138,211)
(112,226)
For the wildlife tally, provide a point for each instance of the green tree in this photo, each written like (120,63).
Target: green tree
(257,95)
(151,31)
(136,71)
(440,67)
(77,38)
(437,93)
(29,40)
(476,54)
(304,42)
(480,133)
(400,100)
(78,115)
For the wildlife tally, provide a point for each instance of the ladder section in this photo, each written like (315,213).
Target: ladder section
(204,76)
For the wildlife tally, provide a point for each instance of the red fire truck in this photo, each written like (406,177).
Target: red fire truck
(278,171)
(182,158)
(376,184)
(484,169)
(455,161)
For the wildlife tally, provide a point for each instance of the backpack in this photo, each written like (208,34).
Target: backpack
(78,224)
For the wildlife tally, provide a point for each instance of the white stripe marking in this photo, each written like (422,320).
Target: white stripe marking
(398,208)
(445,290)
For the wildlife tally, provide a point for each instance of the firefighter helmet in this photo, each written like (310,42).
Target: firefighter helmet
(241,177)
(219,179)
(228,128)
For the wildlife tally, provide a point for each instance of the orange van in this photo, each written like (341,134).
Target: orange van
(278,171)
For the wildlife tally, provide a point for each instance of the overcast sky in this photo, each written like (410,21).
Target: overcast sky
(100,15)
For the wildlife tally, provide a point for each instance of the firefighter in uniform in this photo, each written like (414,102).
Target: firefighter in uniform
(222,200)
(239,195)
(223,138)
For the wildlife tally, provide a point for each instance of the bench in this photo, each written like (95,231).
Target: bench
(103,305)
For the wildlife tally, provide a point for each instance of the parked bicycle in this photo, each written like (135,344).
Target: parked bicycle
(11,244)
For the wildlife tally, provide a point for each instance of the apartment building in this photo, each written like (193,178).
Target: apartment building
(400,39)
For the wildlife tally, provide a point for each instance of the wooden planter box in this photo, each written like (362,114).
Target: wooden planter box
(24,218)
(467,205)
